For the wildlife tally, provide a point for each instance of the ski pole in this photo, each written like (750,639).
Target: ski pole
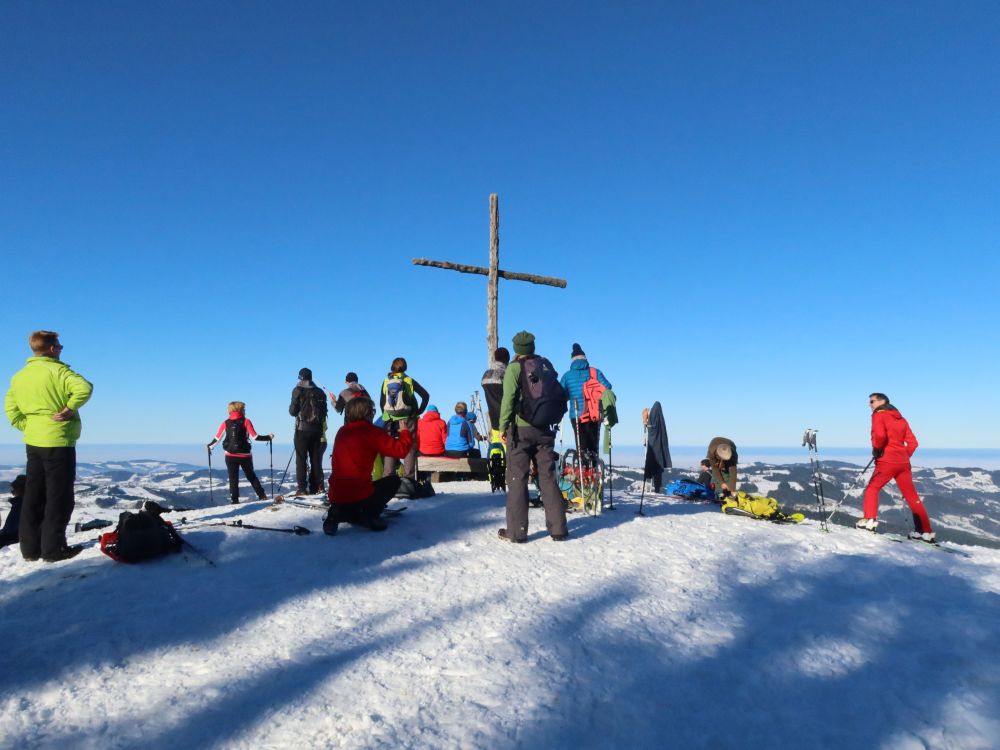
(851,488)
(194,549)
(611,475)
(211,489)
(645,438)
(270,454)
(285,472)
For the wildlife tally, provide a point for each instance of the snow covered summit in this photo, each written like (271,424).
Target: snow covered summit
(682,628)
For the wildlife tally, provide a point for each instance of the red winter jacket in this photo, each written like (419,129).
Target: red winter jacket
(892,434)
(354,451)
(432,431)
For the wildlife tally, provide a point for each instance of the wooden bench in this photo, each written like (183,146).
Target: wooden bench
(437,466)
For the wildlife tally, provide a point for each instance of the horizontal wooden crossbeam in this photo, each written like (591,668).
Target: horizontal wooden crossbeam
(511,275)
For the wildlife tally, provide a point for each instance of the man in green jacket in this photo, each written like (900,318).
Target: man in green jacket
(43,402)
(525,442)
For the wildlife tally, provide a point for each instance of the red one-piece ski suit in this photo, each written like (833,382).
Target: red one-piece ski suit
(892,435)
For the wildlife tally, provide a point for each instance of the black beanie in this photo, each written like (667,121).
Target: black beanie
(577,351)
(305,374)
(352,377)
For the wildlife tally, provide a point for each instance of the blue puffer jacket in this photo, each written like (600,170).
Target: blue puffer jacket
(460,434)
(573,380)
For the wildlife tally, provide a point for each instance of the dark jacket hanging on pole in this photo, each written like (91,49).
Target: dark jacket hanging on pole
(657,447)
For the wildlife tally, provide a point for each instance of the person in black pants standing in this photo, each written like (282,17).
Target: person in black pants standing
(43,402)
(238,431)
(309,409)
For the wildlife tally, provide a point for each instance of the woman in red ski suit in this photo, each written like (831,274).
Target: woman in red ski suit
(893,442)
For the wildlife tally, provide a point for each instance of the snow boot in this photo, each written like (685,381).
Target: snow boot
(560,537)
(927,536)
(502,534)
(867,524)
(331,521)
(65,554)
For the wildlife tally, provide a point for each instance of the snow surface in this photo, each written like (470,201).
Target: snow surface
(682,628)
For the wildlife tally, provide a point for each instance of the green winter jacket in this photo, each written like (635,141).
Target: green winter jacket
(511,397)
(43,387)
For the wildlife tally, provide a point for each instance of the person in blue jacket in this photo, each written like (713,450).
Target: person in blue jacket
(572,381)
(461,442)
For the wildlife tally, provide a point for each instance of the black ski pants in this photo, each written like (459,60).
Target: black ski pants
(367,510)
(523,444)
(309,449)
(233,465)
(590,436)
(48,500)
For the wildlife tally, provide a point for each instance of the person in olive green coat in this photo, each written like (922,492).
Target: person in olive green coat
(723,459)
(43,402)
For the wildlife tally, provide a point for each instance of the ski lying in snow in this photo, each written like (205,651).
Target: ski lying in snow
(780,518)
(921,542)
(299,504)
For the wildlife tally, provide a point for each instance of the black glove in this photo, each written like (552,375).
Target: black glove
(210,445)
(877,452)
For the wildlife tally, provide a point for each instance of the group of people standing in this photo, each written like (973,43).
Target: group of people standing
(46,395)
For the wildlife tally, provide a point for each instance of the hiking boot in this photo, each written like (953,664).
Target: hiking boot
(867,524)
(65,554)
(301,491)
(502,534)
(31,558)
(560,537)
(926,536)
(374,524)
(234,501)
(331,522)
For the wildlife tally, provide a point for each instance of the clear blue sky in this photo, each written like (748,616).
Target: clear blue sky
(764,210)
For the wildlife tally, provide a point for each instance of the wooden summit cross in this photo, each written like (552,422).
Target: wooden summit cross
(494,273)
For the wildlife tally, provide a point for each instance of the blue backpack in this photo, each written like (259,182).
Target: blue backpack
(689,490)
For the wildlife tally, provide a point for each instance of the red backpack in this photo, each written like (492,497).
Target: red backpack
(593,389)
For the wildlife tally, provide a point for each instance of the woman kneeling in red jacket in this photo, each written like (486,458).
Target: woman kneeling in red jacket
(354,497)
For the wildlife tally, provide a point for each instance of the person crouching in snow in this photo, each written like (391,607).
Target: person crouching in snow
(723,459)
(238,431)
(354,497)
(893,442)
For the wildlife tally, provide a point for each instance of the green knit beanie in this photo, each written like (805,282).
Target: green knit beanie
(524,343)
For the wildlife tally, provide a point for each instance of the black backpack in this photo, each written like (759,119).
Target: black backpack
(543,399)
(236,440)
(312,409)
(140,536)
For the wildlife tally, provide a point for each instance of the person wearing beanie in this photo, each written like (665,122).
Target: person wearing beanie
(526,442)
(584,416)
(461,442)
(309,409)
(8,535)
(723,459)
(492,383)
(893,443)
(352,389)
(432,432)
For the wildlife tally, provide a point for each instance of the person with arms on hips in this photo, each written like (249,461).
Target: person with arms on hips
(893,443)
(309,409)
(43,402)
(583,384)
(354,497)
(400,411)
(239,431)
(526,421)
(723,459)
(352,390)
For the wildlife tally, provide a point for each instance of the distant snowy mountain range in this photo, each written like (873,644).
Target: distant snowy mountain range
(964,503)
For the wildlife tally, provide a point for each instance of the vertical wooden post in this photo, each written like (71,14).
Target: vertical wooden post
(492,340)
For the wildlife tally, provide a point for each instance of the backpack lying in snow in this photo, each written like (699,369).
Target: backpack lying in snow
(742,504)
(140,536)
(410,490)
(689,490)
